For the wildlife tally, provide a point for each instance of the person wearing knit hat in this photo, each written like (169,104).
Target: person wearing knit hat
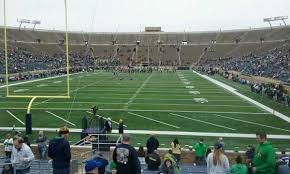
(92,167)
(217,162)
(60,153)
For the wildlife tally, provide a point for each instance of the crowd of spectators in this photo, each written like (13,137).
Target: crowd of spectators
(276,92)
(261,159)
(274,63)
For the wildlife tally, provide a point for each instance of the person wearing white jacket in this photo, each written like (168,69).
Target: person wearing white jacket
(217,162)
(22,156)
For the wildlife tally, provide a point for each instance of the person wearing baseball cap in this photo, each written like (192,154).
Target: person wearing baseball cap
(59,152)
(92,167)
(217,162)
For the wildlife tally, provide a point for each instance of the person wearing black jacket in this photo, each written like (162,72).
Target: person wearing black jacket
(152,144)
(153,161)
(108,126)
(126,158)
(59,152)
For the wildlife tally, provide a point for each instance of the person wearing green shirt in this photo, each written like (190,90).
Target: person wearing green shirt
(265,157)
(239,167)
(200,150)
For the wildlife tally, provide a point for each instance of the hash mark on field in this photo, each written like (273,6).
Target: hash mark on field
(137,92)
(249,122)
(15,117)
(157,121)
(57,82)
(21,90)
(60,118)
(106,118)
(41,85)
(205,122)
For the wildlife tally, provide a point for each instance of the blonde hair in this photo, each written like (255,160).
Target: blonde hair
(40,133)
(217,153)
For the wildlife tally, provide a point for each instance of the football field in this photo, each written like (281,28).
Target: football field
(175,102)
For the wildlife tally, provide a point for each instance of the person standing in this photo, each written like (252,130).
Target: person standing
(108,126)
(60,153)
(152,144)
(265,157)
(22,156)
(176,150)
(8,145)
(41,144)
(217,162)
(200,151)
(126,158)
(121,126)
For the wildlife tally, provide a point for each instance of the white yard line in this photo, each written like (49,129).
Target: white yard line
(65,93)
(60,118)
(157,121)
(15,117)
(37,80)
(169,133)
(201,121)
(253,123)
(137,92)
(143,110)
(232,90)
(106,118)
(158,104)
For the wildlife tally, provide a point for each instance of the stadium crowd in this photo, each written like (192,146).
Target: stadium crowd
(261,159)
(274,63)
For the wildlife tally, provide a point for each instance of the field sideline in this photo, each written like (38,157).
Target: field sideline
(180,101)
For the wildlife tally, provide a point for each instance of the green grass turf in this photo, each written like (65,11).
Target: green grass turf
(154,96)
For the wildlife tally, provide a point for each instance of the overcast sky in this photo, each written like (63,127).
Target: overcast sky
(134,15)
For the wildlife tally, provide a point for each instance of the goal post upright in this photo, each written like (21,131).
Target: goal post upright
(28,116)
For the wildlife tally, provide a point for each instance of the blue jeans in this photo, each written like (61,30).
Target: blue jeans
(23,171)
(42,153)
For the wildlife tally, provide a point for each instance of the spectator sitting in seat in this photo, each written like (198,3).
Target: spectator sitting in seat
(217,162)
(153,161)
(200,150)
(7,168)
(152,144)
(283,164)
(59,152)
(239,167)
(104,162)
(92,167)
(141,155)
(167,167)
(265,157)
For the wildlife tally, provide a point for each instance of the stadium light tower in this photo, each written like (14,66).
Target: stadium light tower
(278,18)
(27,21)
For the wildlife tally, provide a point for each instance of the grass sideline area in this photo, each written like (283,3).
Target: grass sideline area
(180,101)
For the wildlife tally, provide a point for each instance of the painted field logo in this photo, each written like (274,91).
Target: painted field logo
(200,100)
(189,87)
(194,92)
